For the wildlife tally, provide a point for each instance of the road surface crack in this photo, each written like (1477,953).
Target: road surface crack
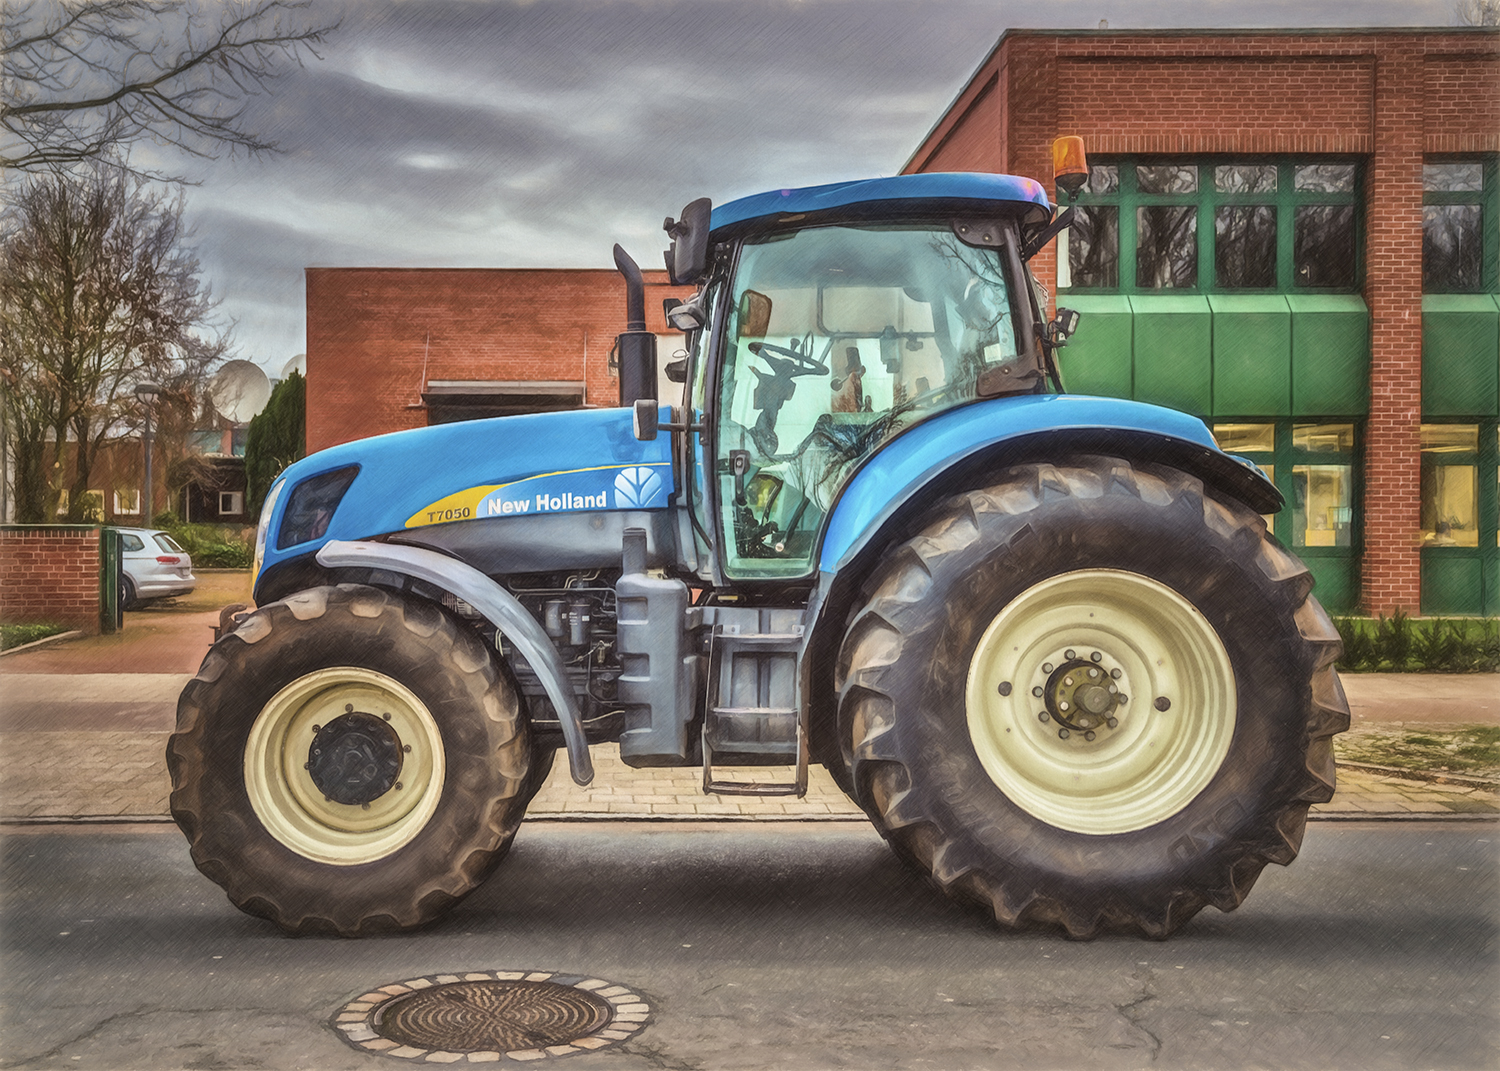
(1130,1012)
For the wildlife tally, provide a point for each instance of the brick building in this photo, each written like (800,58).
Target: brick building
(1293,235)
(396,348)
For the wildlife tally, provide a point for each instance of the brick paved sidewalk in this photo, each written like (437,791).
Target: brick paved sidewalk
(118,775)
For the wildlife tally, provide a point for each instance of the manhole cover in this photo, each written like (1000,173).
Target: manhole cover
(480,1017)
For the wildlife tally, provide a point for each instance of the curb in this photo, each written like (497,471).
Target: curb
(44,640)
(1430,776)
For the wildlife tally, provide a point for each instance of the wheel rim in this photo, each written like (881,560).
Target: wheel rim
(1046,716)
(344,766)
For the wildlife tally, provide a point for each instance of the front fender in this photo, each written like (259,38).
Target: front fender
(941,456)
(498,606)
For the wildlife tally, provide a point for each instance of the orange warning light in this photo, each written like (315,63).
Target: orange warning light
(1070,165)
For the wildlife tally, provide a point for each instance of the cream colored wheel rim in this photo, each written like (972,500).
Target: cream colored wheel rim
(1049,675)
(296,811)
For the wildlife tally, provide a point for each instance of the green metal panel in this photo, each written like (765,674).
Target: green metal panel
(1452,583)
(1336,582)
(1491,575)
(110,564)
(1460,355)
(1330,355)
(1174,351)
(1097,358)
(1252,354)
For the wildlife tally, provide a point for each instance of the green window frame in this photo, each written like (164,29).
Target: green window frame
(1118,180)
(1302,450)
(1486,199)
(1459,575)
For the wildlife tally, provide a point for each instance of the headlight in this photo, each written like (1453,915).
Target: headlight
(311,506)
(260,528)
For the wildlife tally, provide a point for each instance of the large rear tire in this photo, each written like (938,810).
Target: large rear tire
(349,760)
(1092,696)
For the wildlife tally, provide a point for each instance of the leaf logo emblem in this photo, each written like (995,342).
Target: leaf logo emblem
(635,487)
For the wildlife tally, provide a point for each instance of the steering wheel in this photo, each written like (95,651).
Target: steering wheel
(803,364)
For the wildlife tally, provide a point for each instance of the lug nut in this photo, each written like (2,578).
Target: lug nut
(348,708)
(317,729)
(1070,654)
(1115,673)
(1068,681)
(1096,657)
(1063,734)
(1093,673)
(1162,703)
(1046,667)
(1044,716)
(1112,722)
(406,748)
(1088,736)
(1063,705)
(1122,699)
(398,784)
(1037,691)
(387,717)
(1005,687)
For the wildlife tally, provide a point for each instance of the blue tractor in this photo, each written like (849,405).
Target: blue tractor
(1045,641)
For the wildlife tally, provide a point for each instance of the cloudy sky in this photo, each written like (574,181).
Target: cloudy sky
(536,133)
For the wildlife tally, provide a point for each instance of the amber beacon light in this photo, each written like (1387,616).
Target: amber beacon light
(1070,165)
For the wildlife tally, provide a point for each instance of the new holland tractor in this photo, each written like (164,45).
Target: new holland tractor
(1045,641)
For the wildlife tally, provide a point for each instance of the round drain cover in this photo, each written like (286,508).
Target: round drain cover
(525,1015)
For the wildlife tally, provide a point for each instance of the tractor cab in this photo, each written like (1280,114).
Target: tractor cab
(829,320)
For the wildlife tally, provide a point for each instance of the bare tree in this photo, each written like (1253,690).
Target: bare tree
(86,79)
(1478,13)
(97,293)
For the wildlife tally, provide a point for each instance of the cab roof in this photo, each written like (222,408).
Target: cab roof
(875,198)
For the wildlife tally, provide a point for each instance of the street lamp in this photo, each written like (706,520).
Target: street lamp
(147,393)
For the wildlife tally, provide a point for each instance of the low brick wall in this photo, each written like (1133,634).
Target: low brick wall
(50,573)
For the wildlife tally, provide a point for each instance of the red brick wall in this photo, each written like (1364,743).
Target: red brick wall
(1389,96)
(50,574)
(377,336)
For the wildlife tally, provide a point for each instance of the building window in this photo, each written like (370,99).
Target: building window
(1316,468)
(1450,485)
(1456,195)
(1093,241)
(128,501)
(1219,225)
(231,503)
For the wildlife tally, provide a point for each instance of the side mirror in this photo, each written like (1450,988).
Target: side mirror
(643,419)
(687,259)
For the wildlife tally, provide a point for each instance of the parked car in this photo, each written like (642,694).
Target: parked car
(152,566)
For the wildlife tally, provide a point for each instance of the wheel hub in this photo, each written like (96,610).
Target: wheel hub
(355,759)
(1081,694)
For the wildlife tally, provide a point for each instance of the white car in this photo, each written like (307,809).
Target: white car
(152,566)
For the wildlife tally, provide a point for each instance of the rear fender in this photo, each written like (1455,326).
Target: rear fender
(956,451)
(498,606)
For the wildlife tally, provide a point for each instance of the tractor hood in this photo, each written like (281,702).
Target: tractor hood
(546,463)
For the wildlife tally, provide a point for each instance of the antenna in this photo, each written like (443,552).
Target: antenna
(239,390)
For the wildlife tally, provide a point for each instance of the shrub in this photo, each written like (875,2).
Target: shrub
(1400,644)
(19,635)
(212,546)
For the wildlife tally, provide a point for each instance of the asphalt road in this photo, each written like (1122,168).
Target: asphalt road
(789,946)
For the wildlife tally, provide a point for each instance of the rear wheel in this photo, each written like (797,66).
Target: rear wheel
(1092,696)
(127,594)
(349,760)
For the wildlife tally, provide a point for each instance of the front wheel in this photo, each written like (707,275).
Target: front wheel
(349,760)
(1092,696)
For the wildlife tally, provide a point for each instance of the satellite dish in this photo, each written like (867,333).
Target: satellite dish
(297,364)
(239,391)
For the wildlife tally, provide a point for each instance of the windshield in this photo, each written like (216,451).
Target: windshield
(838,338)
